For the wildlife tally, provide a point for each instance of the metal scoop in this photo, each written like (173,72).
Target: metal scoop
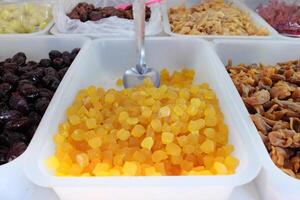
(136,75)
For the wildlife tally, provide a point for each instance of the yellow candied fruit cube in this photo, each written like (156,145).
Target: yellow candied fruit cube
(208,146)
(77,135)
(130,169)
(189,149)
(138,156)
(231,162)
(156,125)
(91,123)
(159,156)
(123,116)
(123,134)
(58,139)
(101,169)
(82,160)
(119,82)
(173,149)
(211,121)
(91,90)
(164,112)
(167,137)
(192,110)
(52,162)
(220,168)
(132,120)
(176,160)
(210,133)
(147,143)
(74,119)
(196,125)
(151,171)
(114,172)
(146,111)
(138,131)
(109,98)
(95,142)
(182,140)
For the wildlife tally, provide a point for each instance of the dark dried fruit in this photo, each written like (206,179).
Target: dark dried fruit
(51,72)
(21,124)
(86,12)
(16,150)
(19,58)
(58,63)
(25,93)
(62,72)
(46,93)
(55,54)
(11,67)
(3,152)
(17,102)
(41,105)
(9,77)
(28,90)
(51,82)
(45,63)
(9,115)
(5,88)
(35,117)
(8,138)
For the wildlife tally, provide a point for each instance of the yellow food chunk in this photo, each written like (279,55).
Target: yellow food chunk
(123,134)
(176,129)
(138,130)
(52,162)
(156,125)
(95,142)
(208,146)
(119,82)
(147,143)
(130,169)
(158,156)
(167,137)
(220,168)
(164,111)
(173,149)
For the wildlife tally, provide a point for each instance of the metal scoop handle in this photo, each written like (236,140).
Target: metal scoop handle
(139,21)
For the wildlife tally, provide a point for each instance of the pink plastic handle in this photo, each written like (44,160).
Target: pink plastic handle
(125,5)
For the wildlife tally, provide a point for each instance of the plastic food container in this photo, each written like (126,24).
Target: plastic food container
(13,182)
(272,182)
(102,64)
(253,4)
(255,17)
(23,18)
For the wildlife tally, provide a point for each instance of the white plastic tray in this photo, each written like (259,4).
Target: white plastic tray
(13,183)
(272,182)
(255,17)
(101,64)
